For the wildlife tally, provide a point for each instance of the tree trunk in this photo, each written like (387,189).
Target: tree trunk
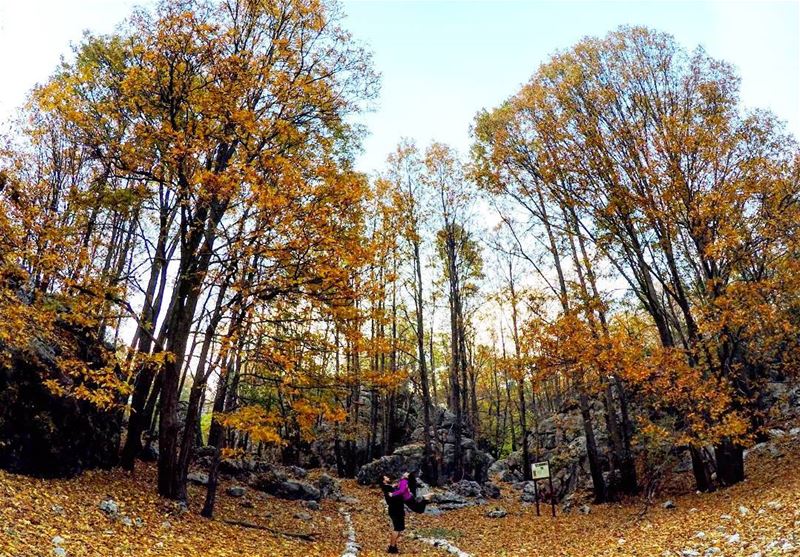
(730,462)
(429,467)
(702,475)
(600,494)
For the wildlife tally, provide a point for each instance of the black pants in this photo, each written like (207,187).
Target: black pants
(417,505)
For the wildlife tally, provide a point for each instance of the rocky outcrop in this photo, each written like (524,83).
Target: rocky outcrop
(409,458)
(404,459)
(560,440)
(43,434)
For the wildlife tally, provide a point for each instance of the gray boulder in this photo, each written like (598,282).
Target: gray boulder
(236,491)
(490,490)
(449,500)
(297,471)
(404,459)
(198,478)
(497,512)
(285,489)
(467,488)
(329,487)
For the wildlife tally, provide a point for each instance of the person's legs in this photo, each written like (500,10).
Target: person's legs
(398,516)
(418,505)
(393,539)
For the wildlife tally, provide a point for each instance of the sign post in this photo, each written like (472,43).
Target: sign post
(541,471)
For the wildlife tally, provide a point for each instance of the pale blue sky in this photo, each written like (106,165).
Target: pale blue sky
(443,61)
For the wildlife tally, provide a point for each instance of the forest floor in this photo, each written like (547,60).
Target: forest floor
(42,518)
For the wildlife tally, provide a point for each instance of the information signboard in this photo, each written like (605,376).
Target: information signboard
(540,470)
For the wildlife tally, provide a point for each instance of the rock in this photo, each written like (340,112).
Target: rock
(725,517)
(585,509)
(57,540)
(57,509)
(447,419)
(126,521)
(690,553)
(138,522)
(236,467)
(166,525)
(408,458)
(529,491)
(684,464)
(449,500)
(59,552)
(311,505)
(149,453)
(433,511)
(776,433)
(711,551)
(297,471)
(700,535)
(236,491)
(733,538)
(794,432)
(302,516)
(47,435)
(329,487)
(467,488)
(669,504)
(497,512)
(109,506)
(743,510)
(490,490)
(198,478)
(285,489)
(404,459)
(498,469)
(247,504)
(775,505)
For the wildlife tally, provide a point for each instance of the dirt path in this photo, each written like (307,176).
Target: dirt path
(372,528)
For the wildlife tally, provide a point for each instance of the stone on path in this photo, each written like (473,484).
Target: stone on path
(442,544)
(351,548)
(109,506)
(497,512)
(236,491)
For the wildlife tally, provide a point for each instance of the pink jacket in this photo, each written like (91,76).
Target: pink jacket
(402,490)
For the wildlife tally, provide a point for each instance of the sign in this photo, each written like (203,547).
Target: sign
(540,470)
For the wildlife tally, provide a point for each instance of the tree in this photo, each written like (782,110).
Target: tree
(646,148)
(238,109)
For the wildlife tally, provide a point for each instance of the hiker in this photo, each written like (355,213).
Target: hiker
(407,489)
(397,513)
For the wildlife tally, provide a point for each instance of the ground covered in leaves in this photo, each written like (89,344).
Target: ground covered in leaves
(63,517)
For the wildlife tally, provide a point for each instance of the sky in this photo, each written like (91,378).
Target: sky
(443,61)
